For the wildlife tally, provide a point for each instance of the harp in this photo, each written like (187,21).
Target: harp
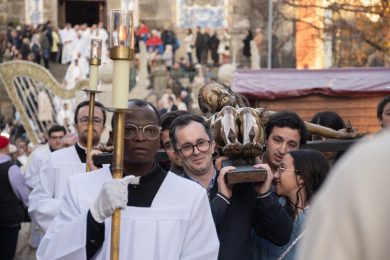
(24,81)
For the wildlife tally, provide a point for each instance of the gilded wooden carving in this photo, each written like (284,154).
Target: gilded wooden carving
(23,82)
(239,129)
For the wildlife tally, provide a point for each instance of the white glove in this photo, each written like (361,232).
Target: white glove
(112,195)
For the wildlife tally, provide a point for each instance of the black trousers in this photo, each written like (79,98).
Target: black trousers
(8,240)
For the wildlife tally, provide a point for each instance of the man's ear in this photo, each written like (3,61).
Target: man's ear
(300,180)
(213,145)
(110,138)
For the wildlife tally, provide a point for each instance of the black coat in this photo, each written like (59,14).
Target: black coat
(245,213)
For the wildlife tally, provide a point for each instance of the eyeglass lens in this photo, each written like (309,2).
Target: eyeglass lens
(150,131)
(202,146)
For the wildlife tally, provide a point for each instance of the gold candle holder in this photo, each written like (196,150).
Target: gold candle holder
(94,63)
(121,52)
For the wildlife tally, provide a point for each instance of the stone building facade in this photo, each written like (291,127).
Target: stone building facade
(241,15)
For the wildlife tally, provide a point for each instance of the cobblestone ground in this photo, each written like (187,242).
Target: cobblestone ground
(58,70)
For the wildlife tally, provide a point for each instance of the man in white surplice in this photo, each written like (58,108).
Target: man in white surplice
(53,176)
(55,136)
(164,216)
(68,34)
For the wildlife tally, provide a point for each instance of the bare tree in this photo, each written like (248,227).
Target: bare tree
(358,29)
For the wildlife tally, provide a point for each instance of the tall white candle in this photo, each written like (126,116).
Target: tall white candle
(93,77)
(95,55)
(120,83)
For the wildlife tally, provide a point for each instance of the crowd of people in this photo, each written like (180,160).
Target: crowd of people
(205,50)
(183,209)
(38,44)
(206,214)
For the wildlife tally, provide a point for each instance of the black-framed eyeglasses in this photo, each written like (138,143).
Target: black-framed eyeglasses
(57,137)
(95,120)
(188,150)
(282,169)
(151,132)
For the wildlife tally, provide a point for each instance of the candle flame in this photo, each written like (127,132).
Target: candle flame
(122,34)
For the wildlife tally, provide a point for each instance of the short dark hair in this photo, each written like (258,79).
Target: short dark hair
(328,119)
(381,106)
(183,121)
(331,120)
(56,128)
(168,118)
(144,103)
(86,103)
(139,103)
(287,119)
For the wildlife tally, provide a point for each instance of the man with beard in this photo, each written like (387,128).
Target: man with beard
(163,215)
(46,195)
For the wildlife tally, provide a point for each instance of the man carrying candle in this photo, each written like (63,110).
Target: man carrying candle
(163,215)
(53,176)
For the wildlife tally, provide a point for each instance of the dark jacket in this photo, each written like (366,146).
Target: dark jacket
(12,211)
(245,213)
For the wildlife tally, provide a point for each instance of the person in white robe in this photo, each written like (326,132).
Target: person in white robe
(55,136)
(164,216)
(65,117)
(75,72)
(68,34)
(45,113)
(86,36)
(349,217)
(53,176)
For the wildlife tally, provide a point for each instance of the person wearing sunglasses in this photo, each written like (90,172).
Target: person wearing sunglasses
(236,209)
(163,216)
(54,173)
(296,180)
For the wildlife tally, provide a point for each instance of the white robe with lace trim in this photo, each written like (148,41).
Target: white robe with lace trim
(53,177)
(178,225)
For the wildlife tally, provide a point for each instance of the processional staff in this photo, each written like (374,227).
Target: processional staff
(94,63)
(121,52)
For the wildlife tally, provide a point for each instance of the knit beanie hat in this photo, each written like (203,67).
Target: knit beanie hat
(3,141)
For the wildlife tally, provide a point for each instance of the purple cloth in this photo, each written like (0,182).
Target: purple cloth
(284,83)
(16,179)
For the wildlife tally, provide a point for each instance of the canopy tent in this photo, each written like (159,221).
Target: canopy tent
(286,83)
